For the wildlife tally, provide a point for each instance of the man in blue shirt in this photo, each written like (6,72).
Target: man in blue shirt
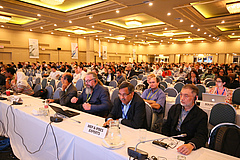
(95,98)
(156,98)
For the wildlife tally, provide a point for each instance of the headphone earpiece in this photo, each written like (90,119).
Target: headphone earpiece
(95,80)
(195,98)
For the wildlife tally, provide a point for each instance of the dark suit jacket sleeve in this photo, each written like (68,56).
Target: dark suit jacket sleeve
(65,97)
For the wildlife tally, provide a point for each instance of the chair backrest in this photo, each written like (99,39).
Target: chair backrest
(30,78)
(178,86)
(160,77)
(56,93)
(79,85)
(133,82)
(59,85)
(53,83)
(114,94)
(44,82)
(149,115)
(37,88)
(225,138)
(235,96)
(201,89)
(210,83)
(113,83)
(207,80)
(30,84)
(144,78)
(135,77)
(140,87)
(38,80)
(168,80)
(177,100)
(161,87)
(222,113)
(172,92)
(140,76)
(163,83)
(181,79)
(50,91)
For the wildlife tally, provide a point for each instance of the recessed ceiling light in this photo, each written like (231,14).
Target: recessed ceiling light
(110,34)
(51,32)
(165,28)
(192,25)
(219,40)
(128,41)
(70,21)
(2,25)
(233,33)
(96,38)
(210,35)
(135,35)
(117,42)
(160,44)
(146,37)
(168,42)
(90,16)
(198,29)
(1,7)
(117,11)
(41,27)
(55,25)
(30,29)
(189,37)
(96,35)
(181,20)
(39,15)
(169,14)
(172,43)
(108,40)
(143,31)
(171,38)
(161,40)
(223,21)
(150,3)
(92,26)
(154,39)
(69,35)
(109,30)
(205,32)
(238,39)
(84,37)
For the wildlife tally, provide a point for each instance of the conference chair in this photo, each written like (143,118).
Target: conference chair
(56,93)
(144,78)
(225,138)
(30,78)
(208,80)
(113,83)
(177,100)
(222,113)
(160,77)
(149,115)
(38,80)
(178,86)
(164,84)
(140,76)
(59,85)
(135,77)
(210,84)
(53,83)
(114,94)
(37,88)
(168,80)
(79,85)
(180,79)
(236,96)
(172,92)
(201,89)
(44,82)
(27,73)
(30,84)
(161,87)
(133,82)
(50,91)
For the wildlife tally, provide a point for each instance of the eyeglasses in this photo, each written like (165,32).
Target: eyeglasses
(219,81)
(123,95)
(88,81)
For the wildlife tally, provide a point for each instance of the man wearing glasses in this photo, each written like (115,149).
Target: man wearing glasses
(94,98)
(128,108)
(187,118)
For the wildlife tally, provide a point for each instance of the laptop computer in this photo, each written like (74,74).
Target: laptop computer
(214,98)
(66,113)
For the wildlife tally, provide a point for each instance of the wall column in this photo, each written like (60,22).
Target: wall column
(221,58)
(90,50)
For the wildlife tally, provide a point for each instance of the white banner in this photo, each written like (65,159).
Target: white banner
(74,47)
(104,52)
(33,48)
(134,54)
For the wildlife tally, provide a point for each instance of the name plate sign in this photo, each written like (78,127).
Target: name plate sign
(206,104)
(95,130)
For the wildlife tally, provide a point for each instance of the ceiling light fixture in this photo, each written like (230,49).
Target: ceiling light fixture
(92,26)
(110,30)
(2,25)
(198,29)
(70,21)
(143,31)
(90,16)
(51,32)
(4,18)
(223,21)
(205,32)
(39,15)
(79,31)
(1,7)
(69,35)
(53,2)
(181,20)
(150,3)
(192,25)
(55,25)
(117,11)
(165,28)
(41,27)
(169,14)
(233,7)
(168,34)
(30,30)
(133,23)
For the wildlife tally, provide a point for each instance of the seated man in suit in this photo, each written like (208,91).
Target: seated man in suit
(130,71)
(68,91)
(187,118)
(95,98)
(128,108)
(120,78)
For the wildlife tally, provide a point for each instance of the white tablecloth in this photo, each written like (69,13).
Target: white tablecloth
(72,142)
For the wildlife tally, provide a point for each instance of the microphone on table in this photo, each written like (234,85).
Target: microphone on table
(142,155)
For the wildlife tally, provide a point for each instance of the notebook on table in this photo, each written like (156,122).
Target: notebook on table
(66,113)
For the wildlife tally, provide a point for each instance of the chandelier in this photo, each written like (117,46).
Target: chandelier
(53,2)
(5,18)
(133,23)
(233,7)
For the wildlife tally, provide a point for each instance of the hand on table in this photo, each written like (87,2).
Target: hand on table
(74,100)
(86,106)
(50,100)
(185,149)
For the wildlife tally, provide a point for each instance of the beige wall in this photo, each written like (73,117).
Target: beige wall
(16,48)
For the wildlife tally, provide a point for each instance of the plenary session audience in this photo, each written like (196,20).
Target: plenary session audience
(120,78)
(67,92)
(187,118)
(128,108)
(54,74)
(94,98)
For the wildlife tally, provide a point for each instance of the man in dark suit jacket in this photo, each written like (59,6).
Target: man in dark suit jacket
(95,98)
(130,71)
(187,118)
(129,108)
(68,91)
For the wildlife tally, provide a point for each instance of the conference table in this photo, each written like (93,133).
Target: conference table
(72,143)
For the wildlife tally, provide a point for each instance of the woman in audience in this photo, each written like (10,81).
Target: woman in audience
(194,78)
(233,82)
(20,85)
(219,89)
